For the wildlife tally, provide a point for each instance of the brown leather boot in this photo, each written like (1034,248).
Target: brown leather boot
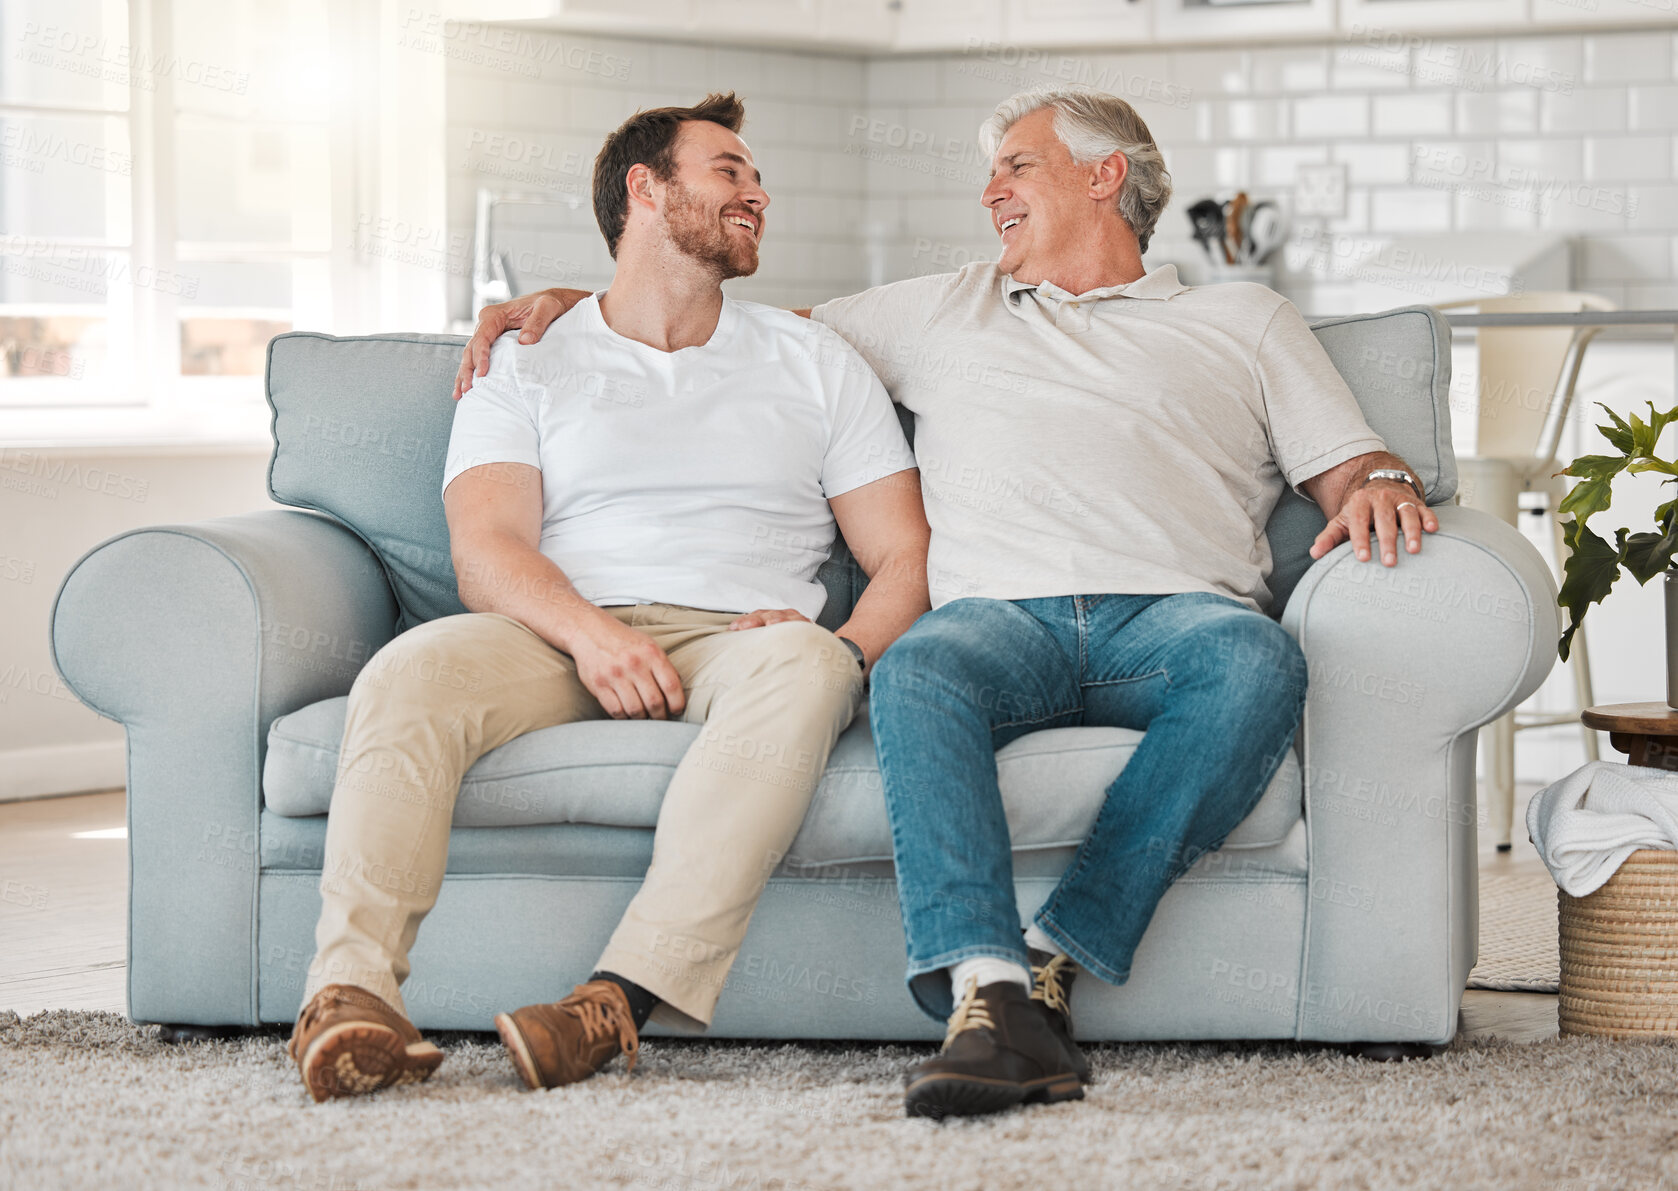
(348,1041)
(557,1044)
(1000,1051)
(1051,984)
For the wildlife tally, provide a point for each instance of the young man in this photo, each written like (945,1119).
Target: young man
(1098,476)
(637,507)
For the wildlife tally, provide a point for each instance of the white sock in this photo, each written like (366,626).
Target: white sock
(987,969)
(1038,941)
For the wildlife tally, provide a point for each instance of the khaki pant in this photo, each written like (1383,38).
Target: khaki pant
(430,703)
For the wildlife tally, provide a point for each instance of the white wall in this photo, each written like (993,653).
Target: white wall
(54,506)
(876,169)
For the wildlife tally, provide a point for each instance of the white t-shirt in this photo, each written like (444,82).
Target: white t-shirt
(697,477)
(1130,440)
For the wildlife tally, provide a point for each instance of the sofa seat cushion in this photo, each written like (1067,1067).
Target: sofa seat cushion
(613,773)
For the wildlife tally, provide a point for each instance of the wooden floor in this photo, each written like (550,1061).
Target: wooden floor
(64,897)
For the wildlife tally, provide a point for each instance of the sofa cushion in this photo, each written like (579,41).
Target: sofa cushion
(613,773)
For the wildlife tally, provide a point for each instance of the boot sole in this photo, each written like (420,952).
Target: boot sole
(940,1096)
(517,1050)
(355,1058)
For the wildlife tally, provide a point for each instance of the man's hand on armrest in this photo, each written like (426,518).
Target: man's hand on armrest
(533,312)
(884,523)
(1353,502)
(495,528)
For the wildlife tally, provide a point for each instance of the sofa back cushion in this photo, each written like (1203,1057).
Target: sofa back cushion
(361,428)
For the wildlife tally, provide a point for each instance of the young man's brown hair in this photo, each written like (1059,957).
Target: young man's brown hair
(649,138)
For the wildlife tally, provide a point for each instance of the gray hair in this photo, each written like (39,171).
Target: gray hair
(1093,126)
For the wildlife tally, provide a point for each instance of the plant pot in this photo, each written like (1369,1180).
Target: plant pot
(1672,639)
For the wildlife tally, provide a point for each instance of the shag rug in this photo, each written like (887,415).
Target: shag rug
(90,1100)
(1518,933)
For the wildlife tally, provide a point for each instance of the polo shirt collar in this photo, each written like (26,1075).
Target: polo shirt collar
(1159,285)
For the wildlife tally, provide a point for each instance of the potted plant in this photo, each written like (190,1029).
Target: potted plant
(1593,563)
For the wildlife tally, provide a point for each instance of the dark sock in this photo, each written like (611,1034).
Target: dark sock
(641,1002)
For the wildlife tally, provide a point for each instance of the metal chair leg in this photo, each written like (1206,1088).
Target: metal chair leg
(1500,779)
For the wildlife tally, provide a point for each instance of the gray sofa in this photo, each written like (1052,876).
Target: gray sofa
(1343,910)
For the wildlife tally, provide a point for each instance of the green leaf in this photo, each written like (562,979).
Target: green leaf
(1589,572)
(1620,437)
(1639,466)
(1645,436)
(1648,554)
(1595,491)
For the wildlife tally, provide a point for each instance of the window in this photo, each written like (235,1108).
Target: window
(167,173)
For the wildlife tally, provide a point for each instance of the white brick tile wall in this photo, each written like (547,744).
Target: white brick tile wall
(1410,209)
(1495,210)
(1628,258)
(890,81)
(1374,163)
(1241,120)
(1323,116)
(1290,68)
(1616,158)
(1280,166)
(1419,114)
(1653,107)
(1493,113)
(1544,62)
(875,171)
(1211,73)
(1628,57)
(1360,67)
(1585,110)
(1652,208)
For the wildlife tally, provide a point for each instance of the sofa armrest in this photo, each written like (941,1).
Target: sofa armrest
(1405,664)
(196,637)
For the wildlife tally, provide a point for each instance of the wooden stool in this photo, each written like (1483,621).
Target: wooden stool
(1646,732)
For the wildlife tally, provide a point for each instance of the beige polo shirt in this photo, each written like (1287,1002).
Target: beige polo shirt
(1133,439)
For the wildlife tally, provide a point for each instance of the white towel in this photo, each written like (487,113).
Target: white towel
(1588,823)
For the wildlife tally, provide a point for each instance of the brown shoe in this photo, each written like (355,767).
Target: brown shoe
(1051,983)
(1000,1051)
(557,1044)
(348,1041)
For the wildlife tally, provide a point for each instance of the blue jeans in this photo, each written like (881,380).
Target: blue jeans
(1218,687)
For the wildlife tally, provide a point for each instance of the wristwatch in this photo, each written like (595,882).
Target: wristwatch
(1399,475)
(856,652)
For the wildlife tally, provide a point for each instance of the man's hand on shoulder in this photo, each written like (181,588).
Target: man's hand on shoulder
(532,312)
(626,671)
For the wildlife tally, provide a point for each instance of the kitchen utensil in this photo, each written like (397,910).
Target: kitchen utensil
(1207,218)
(1265,231)
(1235,222)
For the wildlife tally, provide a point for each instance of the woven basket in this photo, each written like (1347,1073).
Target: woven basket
(1619,951)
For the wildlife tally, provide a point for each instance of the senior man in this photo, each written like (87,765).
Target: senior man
(637,508)
(1100,449)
